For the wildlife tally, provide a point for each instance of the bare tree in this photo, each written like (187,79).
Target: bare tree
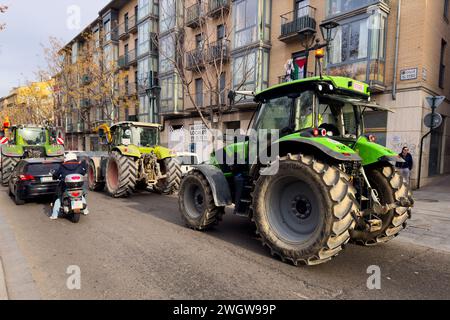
(85,82)
(3,9)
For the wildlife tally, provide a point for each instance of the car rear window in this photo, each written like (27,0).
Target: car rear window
(39,169)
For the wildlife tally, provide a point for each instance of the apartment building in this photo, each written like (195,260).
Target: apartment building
(123,39)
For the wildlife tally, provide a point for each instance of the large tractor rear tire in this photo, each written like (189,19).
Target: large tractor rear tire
(121,175)
(8,164)
(391,188)
(196,201)
(172,169)
(304,213)
(94,185)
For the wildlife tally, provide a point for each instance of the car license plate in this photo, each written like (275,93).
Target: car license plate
(46,179)
(78,204)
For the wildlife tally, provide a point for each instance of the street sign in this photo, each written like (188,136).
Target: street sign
(409,74)
(437,120)
(435,101)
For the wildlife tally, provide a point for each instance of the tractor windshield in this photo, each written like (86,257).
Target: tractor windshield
(298,112)
(32,136)
(145,137)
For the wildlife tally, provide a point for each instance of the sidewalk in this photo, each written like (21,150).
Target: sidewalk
(430,223)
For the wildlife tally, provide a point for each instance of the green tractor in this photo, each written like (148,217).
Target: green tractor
(325,183)
(28,142)
(134,161)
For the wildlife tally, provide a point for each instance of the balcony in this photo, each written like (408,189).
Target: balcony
(208,99)
(79,127)
(218,8)
(286,78)
(127,60)
(194,15)
(68,128)
(127,28)
(219,51)
(113,36)
(216,52)
(297,23)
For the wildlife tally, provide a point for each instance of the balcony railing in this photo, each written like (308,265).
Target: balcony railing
(298,22)
(79,127)
(196,59)
(217,8)
(194,15)
(216,51)
(219,50)
(68,128)
(113,35)
(208,99)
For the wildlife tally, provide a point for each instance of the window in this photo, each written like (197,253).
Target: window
(358,50)
(375,123)
(107,30)
(251,71)
(245,22)
(167,53)
(199,92)
(442,64)
(74,52)
(199,41)
(143,9)
(223,89)
(125,18)
(221,32)
(167,15)
(144,38)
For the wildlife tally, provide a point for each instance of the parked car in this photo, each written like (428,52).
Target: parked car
(187,160)
(32,178)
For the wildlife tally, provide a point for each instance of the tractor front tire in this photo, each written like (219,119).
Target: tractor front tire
(391,188)
(171,183)
(196,202)
(121,175)
(304,213)
(8,165)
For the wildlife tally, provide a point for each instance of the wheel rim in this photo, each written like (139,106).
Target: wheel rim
(194,199)
(294,210)
(113,175)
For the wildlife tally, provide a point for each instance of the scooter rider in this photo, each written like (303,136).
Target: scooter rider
(70,166)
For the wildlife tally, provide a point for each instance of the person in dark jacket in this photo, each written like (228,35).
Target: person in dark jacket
(70,166)
(406,167)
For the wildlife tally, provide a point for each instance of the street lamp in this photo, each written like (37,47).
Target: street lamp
(329,31)
(153,94)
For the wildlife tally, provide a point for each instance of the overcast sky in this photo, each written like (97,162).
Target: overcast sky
(29,24)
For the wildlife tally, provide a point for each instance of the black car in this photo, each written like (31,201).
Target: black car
(32,178)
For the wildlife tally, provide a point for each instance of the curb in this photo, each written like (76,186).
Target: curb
(3,290)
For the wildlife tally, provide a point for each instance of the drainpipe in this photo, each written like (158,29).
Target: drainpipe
(397,40)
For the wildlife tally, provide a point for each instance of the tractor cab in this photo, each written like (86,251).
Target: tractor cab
(330,107)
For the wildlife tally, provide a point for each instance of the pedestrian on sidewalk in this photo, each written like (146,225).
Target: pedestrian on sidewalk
(406,167)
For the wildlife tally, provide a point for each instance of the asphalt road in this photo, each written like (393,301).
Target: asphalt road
(138,249)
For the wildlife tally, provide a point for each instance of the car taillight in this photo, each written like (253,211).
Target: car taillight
(316,132)
(26,177)
(75,194)
(372,138)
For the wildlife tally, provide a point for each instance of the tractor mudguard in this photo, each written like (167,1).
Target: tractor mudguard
(372,153)
(54,151)
(218,182)
(163,153)
(327,146)
(12,150)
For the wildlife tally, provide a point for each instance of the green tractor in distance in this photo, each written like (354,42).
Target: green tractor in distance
(134,161)
(28,142)
(326,184)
